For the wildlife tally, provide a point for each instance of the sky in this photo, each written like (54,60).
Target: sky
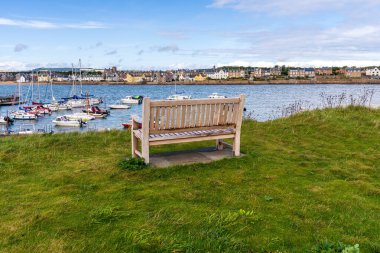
(171,34)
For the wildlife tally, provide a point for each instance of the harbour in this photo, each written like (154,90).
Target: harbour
(263,102)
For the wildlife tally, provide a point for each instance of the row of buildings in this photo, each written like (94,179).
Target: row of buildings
(198,75)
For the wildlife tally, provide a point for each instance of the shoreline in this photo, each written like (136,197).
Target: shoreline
(227,82)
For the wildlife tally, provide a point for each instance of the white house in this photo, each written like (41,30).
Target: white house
(221,74)
(21,79)
(372,72)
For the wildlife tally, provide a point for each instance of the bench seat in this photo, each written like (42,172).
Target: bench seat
(185,135)
(181,121)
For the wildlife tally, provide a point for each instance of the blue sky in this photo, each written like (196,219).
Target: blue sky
(152,34)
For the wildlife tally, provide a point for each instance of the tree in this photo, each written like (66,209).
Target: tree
(284,70)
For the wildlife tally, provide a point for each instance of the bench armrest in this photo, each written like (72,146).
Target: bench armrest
(135,123)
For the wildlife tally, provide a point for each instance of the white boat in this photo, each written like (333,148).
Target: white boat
(129,100)
(64,106)
(178,97)
(119,106)
(216,95)
(64,121)
(22,115)
(52,107)
(80,116)
(76,103)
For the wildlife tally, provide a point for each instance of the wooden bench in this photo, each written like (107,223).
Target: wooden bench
(169,122)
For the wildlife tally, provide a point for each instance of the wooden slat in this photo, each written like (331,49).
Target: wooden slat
(168,117)
(194,109)
(151,120)
(207,115)
(181,130)
(183,115)
(163,118)
(212,115)
(157,120)
(193,101)
(178,117)
(216,115)
(188,115)
(198,116)
(184,140)
(236,113)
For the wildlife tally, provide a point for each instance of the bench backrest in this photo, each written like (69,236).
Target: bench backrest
(165,116)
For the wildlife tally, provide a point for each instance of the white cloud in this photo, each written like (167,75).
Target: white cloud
(289,7)
(37,24)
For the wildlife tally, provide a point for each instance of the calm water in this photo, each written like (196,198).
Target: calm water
(263,101)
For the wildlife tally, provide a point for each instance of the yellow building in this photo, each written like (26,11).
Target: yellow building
(200,78)
(134,79)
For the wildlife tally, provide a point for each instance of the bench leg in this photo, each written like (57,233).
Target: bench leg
(219,144)
(134,145)
(145,150)
(236,146)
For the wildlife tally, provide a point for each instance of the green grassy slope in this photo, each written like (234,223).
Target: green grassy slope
(305,179)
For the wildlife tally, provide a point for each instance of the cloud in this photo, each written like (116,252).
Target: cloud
(113,52)
(99,44)
(20,47)
(38,24)
(140,52)
(168,48)
(290,7)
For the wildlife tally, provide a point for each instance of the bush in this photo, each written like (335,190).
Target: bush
(133,164)
(329,247)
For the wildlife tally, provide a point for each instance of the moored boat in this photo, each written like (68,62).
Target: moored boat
(22,115)
(67,122)
(130,100)
(80,116)
(119,106)
(178,97)
(216,95)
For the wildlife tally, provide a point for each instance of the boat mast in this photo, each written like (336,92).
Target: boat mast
(51,87)
(38,87)
(80,76)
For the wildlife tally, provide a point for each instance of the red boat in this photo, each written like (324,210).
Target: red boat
(97,110)
(128,125)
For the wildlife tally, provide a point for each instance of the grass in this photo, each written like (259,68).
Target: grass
(305,180)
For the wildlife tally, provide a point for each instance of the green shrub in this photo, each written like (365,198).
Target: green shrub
(339,247)
(133,164)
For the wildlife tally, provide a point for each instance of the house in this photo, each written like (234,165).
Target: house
(354,72)
(21,79)
(256,73)
(236,73)
(44,78)
(92,78)
(296,72)
(310,72)
(276,71)
(324,71)
(217,75)
(134,78)
(372,72)
(200,78)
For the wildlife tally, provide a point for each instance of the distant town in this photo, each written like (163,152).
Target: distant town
(276,74)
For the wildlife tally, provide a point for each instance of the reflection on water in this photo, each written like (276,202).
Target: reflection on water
(263,101)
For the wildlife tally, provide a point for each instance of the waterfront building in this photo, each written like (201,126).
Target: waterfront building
(324,71)
(310,72)
(354,72)
(296,72)
(200,78)
(217,75)
(372,72)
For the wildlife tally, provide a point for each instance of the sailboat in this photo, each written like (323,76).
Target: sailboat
(175,96)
